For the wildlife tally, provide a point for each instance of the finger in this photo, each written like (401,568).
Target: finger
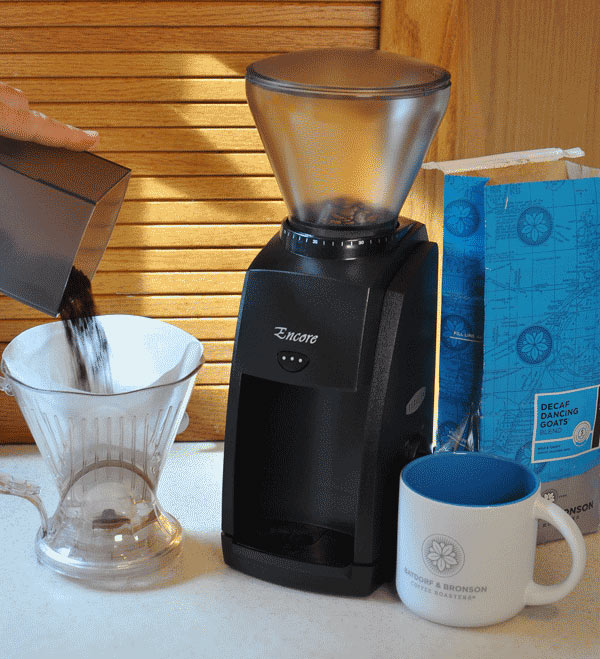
(13,97)
(37,127)
(51,132)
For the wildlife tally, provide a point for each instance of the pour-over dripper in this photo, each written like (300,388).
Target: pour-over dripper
(105,451)
(346,130)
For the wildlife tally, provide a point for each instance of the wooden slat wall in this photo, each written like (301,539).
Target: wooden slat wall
(163,83)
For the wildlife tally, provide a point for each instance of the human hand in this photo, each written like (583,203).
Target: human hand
(18,122)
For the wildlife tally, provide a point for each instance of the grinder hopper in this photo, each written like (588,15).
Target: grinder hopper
(346,130)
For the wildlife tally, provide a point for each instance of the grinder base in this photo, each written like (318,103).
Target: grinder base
(347,579)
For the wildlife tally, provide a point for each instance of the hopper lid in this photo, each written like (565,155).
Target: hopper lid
(348,73)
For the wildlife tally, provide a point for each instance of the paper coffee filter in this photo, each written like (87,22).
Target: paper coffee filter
(143,352)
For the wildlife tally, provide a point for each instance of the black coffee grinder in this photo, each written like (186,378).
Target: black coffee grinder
(332,379)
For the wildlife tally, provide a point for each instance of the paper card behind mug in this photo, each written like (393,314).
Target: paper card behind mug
(519,360)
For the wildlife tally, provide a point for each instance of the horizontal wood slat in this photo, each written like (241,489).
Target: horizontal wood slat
(211,235)
(135,115)
(275,2)
(180,139)
(206,410)
(215,211)
(139,65)
(167,283)
(146,259)
(177,39)
(154,306)
(198,187)
(94,90)
(191,163)
(218,351)
(204,329)
(180,14)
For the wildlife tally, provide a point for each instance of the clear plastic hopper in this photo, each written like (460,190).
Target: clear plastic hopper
(346,130)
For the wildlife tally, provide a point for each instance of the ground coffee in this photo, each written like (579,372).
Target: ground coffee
(85,336)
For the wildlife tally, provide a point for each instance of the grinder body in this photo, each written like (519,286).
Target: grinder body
(331,393)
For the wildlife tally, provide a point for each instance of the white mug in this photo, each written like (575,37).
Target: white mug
(467,526)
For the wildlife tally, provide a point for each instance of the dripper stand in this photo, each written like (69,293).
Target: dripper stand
(108,526)
(109,523)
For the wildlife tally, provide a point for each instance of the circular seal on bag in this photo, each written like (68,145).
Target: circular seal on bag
(534,226)
(581,433)
(461,218)
(534,344)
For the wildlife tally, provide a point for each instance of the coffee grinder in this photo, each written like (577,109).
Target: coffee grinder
(332,379)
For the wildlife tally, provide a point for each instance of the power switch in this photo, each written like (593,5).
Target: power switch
(292,361)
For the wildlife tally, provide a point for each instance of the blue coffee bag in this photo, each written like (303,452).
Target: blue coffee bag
(521,287)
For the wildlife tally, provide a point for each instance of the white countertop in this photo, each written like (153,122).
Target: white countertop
(206,609)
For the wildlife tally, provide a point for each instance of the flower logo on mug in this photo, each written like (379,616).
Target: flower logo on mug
(443,555)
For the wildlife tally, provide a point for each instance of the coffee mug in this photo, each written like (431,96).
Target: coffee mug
(467,527)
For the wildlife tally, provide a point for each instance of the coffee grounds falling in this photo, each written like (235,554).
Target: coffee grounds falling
(85,336)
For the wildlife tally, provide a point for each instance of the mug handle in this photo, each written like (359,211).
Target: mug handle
(550,512)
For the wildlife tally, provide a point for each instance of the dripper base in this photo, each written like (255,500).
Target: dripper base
(114,555)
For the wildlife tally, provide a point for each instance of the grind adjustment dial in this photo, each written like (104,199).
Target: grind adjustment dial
(339,243)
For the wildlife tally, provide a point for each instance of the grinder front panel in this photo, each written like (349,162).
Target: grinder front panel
(300,329)
(293,450)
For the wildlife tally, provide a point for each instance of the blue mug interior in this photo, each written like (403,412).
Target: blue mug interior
(470,479)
